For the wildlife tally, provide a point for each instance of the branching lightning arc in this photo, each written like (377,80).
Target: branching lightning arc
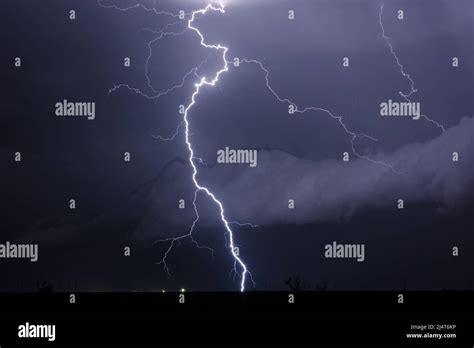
(205,82)
(413,90)
(239,265)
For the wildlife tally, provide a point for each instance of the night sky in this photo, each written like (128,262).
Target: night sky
(135,203)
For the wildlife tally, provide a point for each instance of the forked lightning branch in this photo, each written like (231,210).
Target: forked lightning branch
(224,156)
(205,82)
(239,265)
(249,157)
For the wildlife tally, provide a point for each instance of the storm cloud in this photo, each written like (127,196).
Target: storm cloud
(329,190)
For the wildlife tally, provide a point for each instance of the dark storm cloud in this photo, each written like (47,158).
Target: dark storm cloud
(136,203)
(323,191)
(329,190)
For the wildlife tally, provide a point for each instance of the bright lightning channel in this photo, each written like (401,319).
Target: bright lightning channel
(413,90)
(205,82)
(302,110)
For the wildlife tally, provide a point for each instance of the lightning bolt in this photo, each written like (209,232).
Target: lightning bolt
(143,7)
(243,224)
(158,94)
(198,86)
(407,76)
(301,110)
(238,262)
(239,265)
(189,235)
(203,81)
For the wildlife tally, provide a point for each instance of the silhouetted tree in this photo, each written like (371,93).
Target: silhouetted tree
(45,287)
